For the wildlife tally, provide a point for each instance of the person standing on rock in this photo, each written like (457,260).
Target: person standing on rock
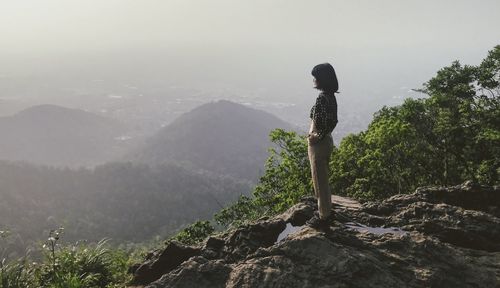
(320,142)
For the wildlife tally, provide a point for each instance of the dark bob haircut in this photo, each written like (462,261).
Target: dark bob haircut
(326,79)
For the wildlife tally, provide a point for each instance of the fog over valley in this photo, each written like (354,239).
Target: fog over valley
(146,64)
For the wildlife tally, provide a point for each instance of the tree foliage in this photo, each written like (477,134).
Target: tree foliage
(286,179)
(194,233)
(451,136)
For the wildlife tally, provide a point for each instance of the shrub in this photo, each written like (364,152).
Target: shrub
(194,233)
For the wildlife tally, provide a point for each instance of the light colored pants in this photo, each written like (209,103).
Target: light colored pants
(319,158)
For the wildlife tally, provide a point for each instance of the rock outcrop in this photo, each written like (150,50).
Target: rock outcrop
(435,237)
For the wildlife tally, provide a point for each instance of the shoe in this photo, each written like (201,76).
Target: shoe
(317,223)
(314,222)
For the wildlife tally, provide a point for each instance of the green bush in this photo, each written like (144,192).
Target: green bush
(71,266)
(194,233)
(16,274)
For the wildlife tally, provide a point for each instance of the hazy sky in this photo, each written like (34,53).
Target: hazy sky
(376,46)
(39,26)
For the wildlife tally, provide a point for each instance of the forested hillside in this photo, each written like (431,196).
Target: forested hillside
(189,170)
(122,201)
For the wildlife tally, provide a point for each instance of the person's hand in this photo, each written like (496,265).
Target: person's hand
(313,138)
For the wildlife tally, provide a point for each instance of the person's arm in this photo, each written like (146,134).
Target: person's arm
(320,119)
(335,117)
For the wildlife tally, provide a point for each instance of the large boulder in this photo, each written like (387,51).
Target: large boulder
(171,257)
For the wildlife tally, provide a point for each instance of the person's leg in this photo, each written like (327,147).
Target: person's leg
(325,196)
(319,170)
(311,151)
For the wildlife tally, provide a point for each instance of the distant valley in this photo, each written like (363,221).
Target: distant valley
(188,170)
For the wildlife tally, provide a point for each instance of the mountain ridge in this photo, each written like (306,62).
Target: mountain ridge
(223,137)
(55,135)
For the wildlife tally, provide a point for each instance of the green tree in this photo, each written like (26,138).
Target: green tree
(288,176)
(447,138)
(286,179)
(464,101)
(384,160)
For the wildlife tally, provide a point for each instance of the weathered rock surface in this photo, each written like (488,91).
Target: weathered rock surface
(435,237)
(162,262)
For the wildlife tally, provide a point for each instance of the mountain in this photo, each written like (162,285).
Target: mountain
(55,135)
(223,137)
(435,237)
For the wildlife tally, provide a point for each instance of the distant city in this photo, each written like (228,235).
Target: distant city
(148,107)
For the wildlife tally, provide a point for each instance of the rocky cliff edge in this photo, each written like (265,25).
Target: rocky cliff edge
(435,237)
